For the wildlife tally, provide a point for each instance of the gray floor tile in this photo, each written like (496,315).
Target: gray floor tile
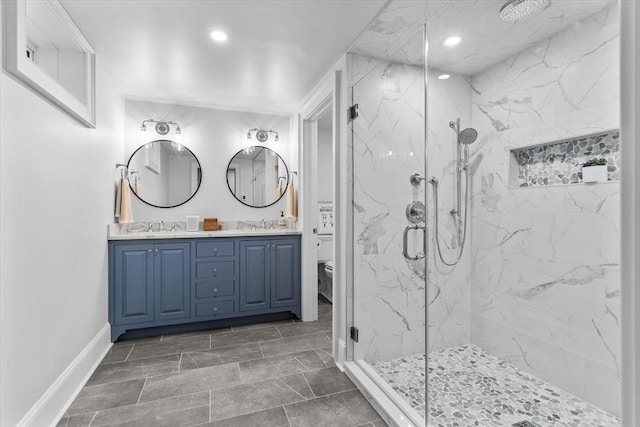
(294,344)
(185,417)
(220,356)
(122,371)
(188,382)
(244,337)
(326,354)
(274,417)
(305,328)
(377,423)
(262,325)
(169,337)
(117,354)
(104,396)
(246,398)
(278,366)
(144,340)
(328,381)
(299,384)
(177,346)
(81,420)
(345,409)
(151,409)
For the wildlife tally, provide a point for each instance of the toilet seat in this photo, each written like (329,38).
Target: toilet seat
(328,265)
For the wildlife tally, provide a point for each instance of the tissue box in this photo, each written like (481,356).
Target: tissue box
(193,222)
(210,224)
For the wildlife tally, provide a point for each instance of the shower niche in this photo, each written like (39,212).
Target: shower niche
(560,162)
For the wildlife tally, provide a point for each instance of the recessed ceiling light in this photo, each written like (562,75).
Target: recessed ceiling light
(444,76)
(219,36)
(452,41)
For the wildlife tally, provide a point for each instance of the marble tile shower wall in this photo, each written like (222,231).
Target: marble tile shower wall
(545,277)
(387,145)
(448,292)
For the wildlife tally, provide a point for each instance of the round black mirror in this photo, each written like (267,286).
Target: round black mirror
(164,173)
(257,176)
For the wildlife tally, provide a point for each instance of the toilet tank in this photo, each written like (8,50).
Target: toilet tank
(325,248)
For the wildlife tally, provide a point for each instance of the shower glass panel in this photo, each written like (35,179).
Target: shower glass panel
(388,147)
(525,326)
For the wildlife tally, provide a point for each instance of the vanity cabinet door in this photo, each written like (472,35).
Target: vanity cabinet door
(133,284)
(172,281)
(285,272)
(254,275)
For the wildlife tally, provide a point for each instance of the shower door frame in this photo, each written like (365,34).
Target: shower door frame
(630,200)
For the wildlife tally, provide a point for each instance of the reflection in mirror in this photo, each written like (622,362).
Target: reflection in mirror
(51,47)
(164,173)
(257,176)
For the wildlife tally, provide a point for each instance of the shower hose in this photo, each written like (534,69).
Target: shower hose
(434,182)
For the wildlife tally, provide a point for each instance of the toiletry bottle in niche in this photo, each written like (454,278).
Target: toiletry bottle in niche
(282,222)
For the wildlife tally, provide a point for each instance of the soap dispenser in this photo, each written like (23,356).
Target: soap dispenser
(282,222)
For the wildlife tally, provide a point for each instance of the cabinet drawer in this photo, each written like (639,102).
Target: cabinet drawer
(213,269)
(223,288)
(215,308)
(214,249)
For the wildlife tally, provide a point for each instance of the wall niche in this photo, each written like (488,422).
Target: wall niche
(560,162)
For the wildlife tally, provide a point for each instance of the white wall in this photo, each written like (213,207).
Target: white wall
(56,197)
(325,165)
(214,136)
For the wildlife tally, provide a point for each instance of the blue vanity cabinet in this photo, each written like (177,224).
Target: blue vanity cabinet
(149,284)
(215,279)
(172,280)
(166,284)
(132,271)
(254,275)
(285,272)
(269,274)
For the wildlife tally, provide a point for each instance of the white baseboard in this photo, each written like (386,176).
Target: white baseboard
(53,404)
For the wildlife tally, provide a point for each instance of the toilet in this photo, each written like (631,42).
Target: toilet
(325,265)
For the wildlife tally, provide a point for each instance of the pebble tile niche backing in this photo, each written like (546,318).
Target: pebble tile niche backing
(560,162)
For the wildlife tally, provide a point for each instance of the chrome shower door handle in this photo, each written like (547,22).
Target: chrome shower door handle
(405,242)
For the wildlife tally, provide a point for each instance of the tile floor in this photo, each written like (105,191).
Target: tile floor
(269,374)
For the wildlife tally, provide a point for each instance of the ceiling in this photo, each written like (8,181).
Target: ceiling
(486,39)
(276,52)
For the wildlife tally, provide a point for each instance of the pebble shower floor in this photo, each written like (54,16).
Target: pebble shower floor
(469,387)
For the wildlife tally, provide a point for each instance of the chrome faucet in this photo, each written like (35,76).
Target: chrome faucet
(160,224)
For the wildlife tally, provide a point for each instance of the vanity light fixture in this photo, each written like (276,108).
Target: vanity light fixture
(452,41)
(262,135)
(162,128)
(218,36)
(443,76)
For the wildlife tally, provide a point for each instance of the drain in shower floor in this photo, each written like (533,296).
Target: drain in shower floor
(525,424)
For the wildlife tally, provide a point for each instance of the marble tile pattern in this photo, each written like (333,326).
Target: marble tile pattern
(387,146)
(545,267)
(561,162)
(249,375)
(470,387)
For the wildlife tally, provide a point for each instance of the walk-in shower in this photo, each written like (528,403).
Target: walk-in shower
(505,309)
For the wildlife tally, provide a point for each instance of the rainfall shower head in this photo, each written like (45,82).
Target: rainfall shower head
(514,10)
(468,136)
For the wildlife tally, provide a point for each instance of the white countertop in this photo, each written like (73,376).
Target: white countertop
(115,234)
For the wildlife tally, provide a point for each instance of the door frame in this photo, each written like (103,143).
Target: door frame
(330,91)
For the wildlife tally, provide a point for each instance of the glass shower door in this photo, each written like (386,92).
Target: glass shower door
(388,148)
